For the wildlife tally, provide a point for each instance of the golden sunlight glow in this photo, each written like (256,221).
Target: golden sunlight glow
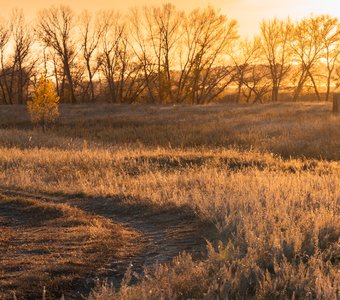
(249,13)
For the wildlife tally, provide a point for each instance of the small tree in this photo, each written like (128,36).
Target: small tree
(44,106)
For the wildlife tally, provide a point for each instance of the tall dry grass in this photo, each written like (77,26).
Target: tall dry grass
(277,219)
(277,216)
(287,129)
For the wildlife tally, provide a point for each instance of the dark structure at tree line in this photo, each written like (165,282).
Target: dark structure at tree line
(163,55)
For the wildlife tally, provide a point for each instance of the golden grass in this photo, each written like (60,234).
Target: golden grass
(53,245)
(277,216)
(287,129)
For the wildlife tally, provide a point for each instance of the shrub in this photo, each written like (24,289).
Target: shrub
(44,106)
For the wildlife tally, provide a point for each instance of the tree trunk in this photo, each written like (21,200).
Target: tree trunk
(314,85)
(88,65)
(328,91)
(275,93)
(299,87)
(56,77)
(336,100)
(20,86)
(70,82)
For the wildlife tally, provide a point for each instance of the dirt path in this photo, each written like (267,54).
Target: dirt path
(162,235)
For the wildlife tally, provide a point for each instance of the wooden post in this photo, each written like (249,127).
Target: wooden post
(336,101)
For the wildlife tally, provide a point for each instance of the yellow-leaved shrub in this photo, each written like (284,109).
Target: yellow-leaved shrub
(44,106)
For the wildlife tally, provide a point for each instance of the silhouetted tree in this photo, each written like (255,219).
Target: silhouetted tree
(4,39)
(162,26)
(307,47)
(55,28)
(252,76)
(209,37)
(274,38)
(161,54)
(330,29)
(22,63)
(91,33)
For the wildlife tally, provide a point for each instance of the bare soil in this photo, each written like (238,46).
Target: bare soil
(68,242)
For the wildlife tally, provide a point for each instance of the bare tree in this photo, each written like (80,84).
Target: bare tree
(139,46)
(22,63)
(91,33)
(274,38)
(55,28)
(118,63)
(113,27)
(163,32)
(183,56)
(130,80)
(4,39)
(209,37)
(330,29)
(252,76)
(307,46)
(163,54)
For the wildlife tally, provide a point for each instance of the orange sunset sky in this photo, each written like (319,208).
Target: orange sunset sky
(248,12)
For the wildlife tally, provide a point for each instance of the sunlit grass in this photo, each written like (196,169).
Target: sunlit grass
(276,216)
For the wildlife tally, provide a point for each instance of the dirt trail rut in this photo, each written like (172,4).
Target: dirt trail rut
(162,234)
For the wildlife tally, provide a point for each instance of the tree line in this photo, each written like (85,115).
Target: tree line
(159,54)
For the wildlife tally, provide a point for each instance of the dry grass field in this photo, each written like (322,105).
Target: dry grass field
(217,202)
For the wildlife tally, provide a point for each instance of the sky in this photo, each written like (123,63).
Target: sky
(249,13)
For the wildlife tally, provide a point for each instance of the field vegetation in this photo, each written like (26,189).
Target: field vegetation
(162,54)
(260,183)
(157,154)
